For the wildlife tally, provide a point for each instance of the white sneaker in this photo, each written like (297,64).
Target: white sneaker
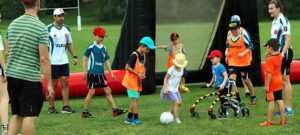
(177,120)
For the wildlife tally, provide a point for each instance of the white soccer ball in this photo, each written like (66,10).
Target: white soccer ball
(166,118)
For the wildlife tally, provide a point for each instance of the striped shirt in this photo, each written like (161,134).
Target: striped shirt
(24,35)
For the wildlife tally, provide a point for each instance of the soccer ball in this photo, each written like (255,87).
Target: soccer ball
(166,118)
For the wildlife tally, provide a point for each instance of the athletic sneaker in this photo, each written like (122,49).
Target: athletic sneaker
(247,94)
(52,110)
(282,123)
(86,115)
(136,122)
(287,112)
(222,116)
(67,109)
(253,100)
(4,130)
(266,123)
(128,121)
(178,121)
(118,112)
(291,112)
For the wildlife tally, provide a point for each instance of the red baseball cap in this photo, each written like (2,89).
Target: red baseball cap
(99,31)
(215,53)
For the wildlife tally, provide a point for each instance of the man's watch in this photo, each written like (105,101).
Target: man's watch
(74,57)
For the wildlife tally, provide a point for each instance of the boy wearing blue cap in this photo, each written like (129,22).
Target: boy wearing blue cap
(135,73)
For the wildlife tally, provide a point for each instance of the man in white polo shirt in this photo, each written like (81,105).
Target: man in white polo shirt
(60,40)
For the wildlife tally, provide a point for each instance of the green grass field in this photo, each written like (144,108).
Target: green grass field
(150,108)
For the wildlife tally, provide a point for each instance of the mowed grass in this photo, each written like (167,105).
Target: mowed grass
(150,108)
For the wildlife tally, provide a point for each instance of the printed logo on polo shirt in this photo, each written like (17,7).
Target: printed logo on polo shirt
(98,63)
(276,32)
(66,35)
(54,35)
(285,28)
(60,45)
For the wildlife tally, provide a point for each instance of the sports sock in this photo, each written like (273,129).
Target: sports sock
(135,116)
(130,115)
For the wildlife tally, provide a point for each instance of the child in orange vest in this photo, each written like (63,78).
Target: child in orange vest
(171,84)
(135,73)
(174,48)
(273,82)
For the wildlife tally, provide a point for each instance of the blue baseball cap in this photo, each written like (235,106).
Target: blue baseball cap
(147,41)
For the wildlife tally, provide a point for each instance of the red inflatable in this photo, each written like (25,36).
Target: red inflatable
(78,87)
(295,71)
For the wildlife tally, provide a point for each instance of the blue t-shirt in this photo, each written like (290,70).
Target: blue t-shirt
(97,55)
(218,74)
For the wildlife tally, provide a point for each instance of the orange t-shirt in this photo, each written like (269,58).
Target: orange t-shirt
(235,48)
(273,65)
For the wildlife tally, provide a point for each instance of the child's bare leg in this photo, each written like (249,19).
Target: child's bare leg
(245,86)
(281,109)
(109,97)
(176,108)
(88,98)
(270,111)
(250,86)
(133,105)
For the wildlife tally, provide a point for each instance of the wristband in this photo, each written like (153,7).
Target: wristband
(74,57)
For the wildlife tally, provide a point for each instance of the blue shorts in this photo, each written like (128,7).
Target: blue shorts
(58,71)
(133,94)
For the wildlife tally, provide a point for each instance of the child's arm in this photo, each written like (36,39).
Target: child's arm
(161,46)
(222,86)
(129,69)
(165,88)
(107,64)
(268,81)
(242,54)
(84,66)
(211,82)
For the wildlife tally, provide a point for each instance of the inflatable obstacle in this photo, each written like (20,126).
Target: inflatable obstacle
(295,71)
(78,86)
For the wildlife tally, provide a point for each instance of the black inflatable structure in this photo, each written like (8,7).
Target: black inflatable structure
(140,21)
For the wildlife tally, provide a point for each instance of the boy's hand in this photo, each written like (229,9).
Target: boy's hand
(208,85)
(242,54)
(141,76)
(113,77)
(221,87)
(165,91)
(267,89)
(84,75)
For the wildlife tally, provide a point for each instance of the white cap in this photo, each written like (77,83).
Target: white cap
(58,11)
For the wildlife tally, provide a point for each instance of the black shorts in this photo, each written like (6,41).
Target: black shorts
(286,62)
(1,71)
(96,81)
(26,97)
(184,72)
(274,96)
(243,71)
(60,70)
(224,92)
